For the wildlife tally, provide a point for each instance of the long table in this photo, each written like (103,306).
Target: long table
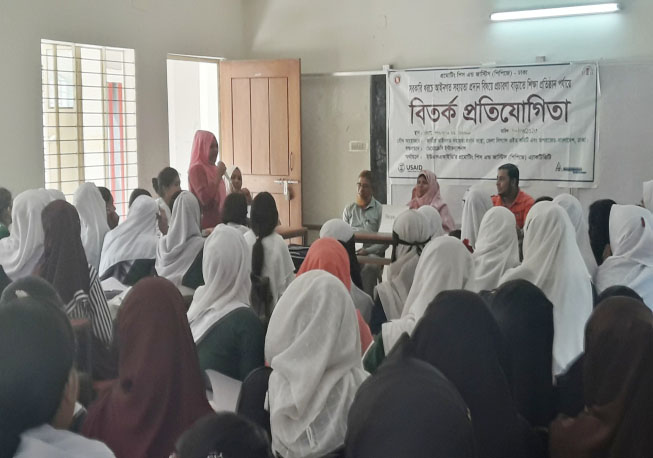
(373,237)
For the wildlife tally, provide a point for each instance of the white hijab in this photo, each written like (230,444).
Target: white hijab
(227,178)
(176,251)
(445,264)
(552,262)
(411,227)
(648,195)
(575,212)
(135,238)
(497,248)
(226,266)
(313,347)
(337,229)
(341,231)
(93,218)
(476,204)
(631,263)
(433,221)
(55,194)
(22,250)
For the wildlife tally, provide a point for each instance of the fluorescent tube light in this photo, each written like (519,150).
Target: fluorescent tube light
(556,12)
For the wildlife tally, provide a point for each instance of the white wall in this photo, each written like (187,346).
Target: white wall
(344,35)
(152,28)
(365,34)
(335,111)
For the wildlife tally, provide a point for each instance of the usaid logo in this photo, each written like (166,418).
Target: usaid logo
(413,168)
(401,167)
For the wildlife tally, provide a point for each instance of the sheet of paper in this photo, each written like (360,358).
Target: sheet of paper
(225,391)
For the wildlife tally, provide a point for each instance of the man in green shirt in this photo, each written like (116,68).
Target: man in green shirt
(5,212)
(365,215)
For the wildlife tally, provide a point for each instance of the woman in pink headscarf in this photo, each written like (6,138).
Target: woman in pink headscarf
(427,192)
(205,178)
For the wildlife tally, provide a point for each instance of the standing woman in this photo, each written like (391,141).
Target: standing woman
(21,251)
(234,179)
(166,185)
(93,218)
(427,192)
(5,212)
(205,179)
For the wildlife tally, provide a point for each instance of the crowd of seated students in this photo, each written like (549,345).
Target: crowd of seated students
(530,337)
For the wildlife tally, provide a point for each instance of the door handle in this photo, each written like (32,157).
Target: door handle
(285,183)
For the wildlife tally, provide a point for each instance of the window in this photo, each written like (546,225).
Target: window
(89,118)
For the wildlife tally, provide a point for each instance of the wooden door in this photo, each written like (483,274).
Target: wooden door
(260,130)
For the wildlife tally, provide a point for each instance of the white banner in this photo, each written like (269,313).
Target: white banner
(465,123)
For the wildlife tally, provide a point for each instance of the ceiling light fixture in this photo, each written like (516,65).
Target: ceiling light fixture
(598,8)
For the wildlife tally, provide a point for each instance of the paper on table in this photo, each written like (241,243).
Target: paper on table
(225,391)
(112,284)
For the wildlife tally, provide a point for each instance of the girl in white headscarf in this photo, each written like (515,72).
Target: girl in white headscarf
(234,181)
(647,198)
(575,212)
(631,241)
(342,232)
(313,347)
(444,264)
(497,248)
(228,334)
(93,217)
(176,251)
(56,194)
(410,235)
(21,251)
(553,263)
(134,240)
(433,221)
(476,204)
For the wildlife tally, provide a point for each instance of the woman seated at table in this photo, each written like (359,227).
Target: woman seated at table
(427,192)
